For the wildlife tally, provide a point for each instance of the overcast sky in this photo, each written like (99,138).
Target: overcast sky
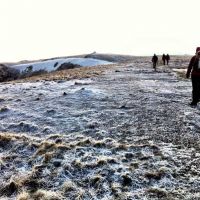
(32,29)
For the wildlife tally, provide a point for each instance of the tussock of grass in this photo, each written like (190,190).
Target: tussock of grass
(121,147)
(48,156)
(63,147)
(157,192)
(95,180)
(112,160)
(134,164)
(77,163)
(80,194)
(84,142)
(6,137)
(23,196)
(100,144)
(9,189)
(155,175)
(31,182)
(4,109)
(53,137)
(45,147)
(38,169)
(115,188)
(101,162)
(46,195)
(68,186)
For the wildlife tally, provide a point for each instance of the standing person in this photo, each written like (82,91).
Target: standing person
(167,57)
(163,59)
(155,61)
(194,70)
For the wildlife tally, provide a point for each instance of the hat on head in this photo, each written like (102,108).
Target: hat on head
(197,49)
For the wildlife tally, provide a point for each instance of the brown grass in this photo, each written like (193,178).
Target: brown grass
(157,192)
(23,196)
(157,175)
(69,74)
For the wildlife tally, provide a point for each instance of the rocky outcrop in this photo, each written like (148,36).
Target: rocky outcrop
(7,73)
(68,65)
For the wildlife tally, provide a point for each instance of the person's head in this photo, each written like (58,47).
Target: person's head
(198,54)
(197,49)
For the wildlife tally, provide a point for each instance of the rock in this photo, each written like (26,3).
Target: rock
(56,64)
(57,163)
(60,81)
(77,83)
(127,181)
(4,109)
(129,155)
(2,100)
(58,141)
(122,107)
(67,65)
(52,111)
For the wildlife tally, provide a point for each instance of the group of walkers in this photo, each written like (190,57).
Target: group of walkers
(193,70)
(165,60)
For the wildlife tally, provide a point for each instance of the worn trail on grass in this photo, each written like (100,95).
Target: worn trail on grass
(127,134)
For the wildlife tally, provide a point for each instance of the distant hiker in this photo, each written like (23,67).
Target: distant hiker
(163,59)
(194,69)
(155,61)
(167,57)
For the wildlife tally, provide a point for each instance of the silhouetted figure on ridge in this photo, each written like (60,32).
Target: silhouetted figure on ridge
(163,59)
(154,61)
(167,57)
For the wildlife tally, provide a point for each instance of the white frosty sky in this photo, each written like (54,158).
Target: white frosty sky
(32,29)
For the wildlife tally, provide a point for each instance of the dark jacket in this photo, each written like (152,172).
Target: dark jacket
(163,57)
(154,59)
(194,67)
(167,57)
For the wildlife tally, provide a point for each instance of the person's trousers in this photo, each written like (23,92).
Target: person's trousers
(195,89)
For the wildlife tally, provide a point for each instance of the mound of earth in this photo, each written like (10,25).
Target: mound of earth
(8,73)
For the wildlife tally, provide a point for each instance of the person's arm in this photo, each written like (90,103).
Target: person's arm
(190,67)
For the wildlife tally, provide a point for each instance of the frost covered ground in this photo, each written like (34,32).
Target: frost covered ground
(126,134)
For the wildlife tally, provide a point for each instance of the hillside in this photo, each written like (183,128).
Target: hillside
(121,131)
